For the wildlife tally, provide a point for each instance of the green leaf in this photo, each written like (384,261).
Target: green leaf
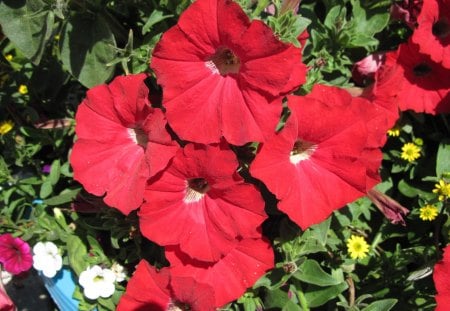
(381,305)
(369,20)
(76,250)
(320,231)
(87,46)
(361,40)
(411,191)
(275,299)
(28,24)
(154,18)
(317,296)
(291,306)
(311,272)
(106,303)
(55,172)
(443,159)
(65,196)
(335,16)
(4,171)
(46,189)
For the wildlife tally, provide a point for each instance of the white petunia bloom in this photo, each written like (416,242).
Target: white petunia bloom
(46,258)
(97,282)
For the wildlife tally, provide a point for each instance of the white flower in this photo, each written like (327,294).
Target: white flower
(97,282)
(46,258)
(119,272)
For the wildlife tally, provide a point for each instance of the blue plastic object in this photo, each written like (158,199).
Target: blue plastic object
(61,288)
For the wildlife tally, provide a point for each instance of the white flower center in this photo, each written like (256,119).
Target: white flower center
(301,151)
(138,136)
(196,189)
(224,62)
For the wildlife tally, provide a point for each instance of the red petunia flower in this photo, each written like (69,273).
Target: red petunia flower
(441,275)
(230,276)
(157,290)
(122,142)
(433,31)
(220,74)
(201,203)
(319,161)
(6,304)
(15,254)
(422,85)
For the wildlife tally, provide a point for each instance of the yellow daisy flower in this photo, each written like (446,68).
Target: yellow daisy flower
(410,152)
(9,57)
(23,89)
(442,189)
(357,247)
(6,126)
(428,212)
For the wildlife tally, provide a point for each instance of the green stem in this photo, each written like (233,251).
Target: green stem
(260,7)
(302,299)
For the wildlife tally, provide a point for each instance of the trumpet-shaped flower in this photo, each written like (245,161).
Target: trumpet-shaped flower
(230,276)
(15,254)
(433,31)
(158,290)
(46,258)
(200,203)
(317,163)
(97,282)
(220,74)
(122,142)
(421,84)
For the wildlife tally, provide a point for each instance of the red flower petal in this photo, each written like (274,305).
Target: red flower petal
(318,163)
(433,33)
(157,290)
(116,128)
(422,85)
(198,296)
(231,275)
(224,66)
(441,276)
(146,290)
(207,221)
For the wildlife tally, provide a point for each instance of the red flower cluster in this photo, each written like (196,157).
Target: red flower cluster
(416,75)
(224,79)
